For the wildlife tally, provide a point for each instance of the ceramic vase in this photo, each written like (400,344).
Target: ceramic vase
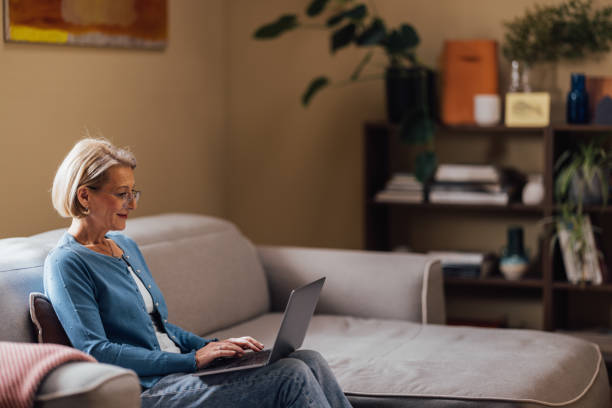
(514,261)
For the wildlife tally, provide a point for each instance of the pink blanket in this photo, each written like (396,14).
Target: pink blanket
(23,366)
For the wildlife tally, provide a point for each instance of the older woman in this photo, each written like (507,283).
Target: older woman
(110,307)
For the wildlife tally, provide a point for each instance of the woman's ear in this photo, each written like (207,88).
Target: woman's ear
(83,196)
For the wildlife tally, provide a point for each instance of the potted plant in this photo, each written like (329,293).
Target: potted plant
(582,176)
(570,30)
(582,179)
(411,100)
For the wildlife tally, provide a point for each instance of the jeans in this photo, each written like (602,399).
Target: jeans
(303,379)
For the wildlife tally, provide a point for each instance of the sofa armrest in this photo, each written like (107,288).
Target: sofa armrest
(91,385)
(359,283)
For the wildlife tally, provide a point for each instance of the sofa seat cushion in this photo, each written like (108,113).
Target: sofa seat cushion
(391,358)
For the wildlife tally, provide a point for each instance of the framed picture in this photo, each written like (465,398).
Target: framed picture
(527,109)
(121,23)
(578,270)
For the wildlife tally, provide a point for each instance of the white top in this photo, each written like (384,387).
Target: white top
(165,342)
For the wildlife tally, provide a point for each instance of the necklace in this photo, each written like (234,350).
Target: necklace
(110,247)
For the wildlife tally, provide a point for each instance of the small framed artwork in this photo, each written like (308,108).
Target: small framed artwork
(527,109)
(102,23)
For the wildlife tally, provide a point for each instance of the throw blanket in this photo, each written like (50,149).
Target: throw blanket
(23,366)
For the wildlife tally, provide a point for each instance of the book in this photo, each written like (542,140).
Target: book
(401,188)
(461,264)
(387,196)
(467,186)
(468,197)
(467,173)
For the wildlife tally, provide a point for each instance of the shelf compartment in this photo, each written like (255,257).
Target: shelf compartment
(567,286)
(495,282)
(510,208)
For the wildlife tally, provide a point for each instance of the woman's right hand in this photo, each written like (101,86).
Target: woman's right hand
(216,349)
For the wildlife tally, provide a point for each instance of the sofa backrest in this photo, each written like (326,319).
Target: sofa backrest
(208,271)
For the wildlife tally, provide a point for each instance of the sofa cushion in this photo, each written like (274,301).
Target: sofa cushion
(93,385)
(208,271)
(45,320)
(21,261)
(392,358)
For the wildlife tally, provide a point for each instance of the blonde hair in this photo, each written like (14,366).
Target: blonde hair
(85,165)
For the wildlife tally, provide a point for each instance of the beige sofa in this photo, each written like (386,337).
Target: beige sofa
(379,321)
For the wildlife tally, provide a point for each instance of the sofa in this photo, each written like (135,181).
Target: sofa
(379,322)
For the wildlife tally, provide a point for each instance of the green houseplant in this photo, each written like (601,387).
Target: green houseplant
(582,176)
(582,179)
(572,30)
(410,85)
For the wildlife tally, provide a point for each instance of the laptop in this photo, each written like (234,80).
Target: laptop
(290,336)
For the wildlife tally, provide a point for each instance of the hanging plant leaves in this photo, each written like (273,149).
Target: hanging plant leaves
(425,165)
(316,7)
(335,19)
(284,23)
(401,39)
(343,37)
(361,65)
(372,35)
(315,86)
(416,126)
(356,13)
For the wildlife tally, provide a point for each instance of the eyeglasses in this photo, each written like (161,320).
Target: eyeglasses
(126,197)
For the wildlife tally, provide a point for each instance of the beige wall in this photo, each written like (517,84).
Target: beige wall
(169,107)
(296,174)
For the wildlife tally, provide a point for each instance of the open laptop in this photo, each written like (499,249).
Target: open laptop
(299,310)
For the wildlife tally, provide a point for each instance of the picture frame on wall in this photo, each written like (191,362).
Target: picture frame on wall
(527,109)
(98,23)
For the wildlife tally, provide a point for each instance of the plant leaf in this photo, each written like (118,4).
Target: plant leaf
(361,65)
(372,35)
(417,126)
(425,166)
(356,13)
(401,40)
(315,86)
(272,30)
(336,19)
(316,7)
(343,37)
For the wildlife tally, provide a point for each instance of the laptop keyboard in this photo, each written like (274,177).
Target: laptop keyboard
(247,359)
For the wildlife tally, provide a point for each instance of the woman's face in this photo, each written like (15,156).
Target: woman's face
(109,205)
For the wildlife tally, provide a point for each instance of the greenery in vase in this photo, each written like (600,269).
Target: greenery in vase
(571,30)
(351,22)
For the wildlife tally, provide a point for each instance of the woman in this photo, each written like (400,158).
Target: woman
(110,307)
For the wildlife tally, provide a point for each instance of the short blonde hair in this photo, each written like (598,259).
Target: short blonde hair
(85,165)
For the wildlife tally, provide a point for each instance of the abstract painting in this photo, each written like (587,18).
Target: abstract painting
(106,23)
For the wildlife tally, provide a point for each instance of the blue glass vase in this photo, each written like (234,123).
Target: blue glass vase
(578,101)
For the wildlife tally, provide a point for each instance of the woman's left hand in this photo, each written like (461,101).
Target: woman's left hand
(246,343)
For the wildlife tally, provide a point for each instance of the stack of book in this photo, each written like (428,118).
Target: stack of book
(402,188)
(457,264)
(468,184)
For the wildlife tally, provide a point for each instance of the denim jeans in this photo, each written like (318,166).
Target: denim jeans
(303,379)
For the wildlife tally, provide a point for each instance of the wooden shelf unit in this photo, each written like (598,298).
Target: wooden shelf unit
(554,293)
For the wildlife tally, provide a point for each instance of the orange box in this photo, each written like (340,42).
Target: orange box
(469,67)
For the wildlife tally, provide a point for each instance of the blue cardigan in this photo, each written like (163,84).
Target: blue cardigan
(104,315)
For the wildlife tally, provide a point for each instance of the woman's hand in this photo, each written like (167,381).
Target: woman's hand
(216,349)
(233,347)
(246,342)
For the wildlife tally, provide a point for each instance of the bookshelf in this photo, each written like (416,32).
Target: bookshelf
(564,306)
